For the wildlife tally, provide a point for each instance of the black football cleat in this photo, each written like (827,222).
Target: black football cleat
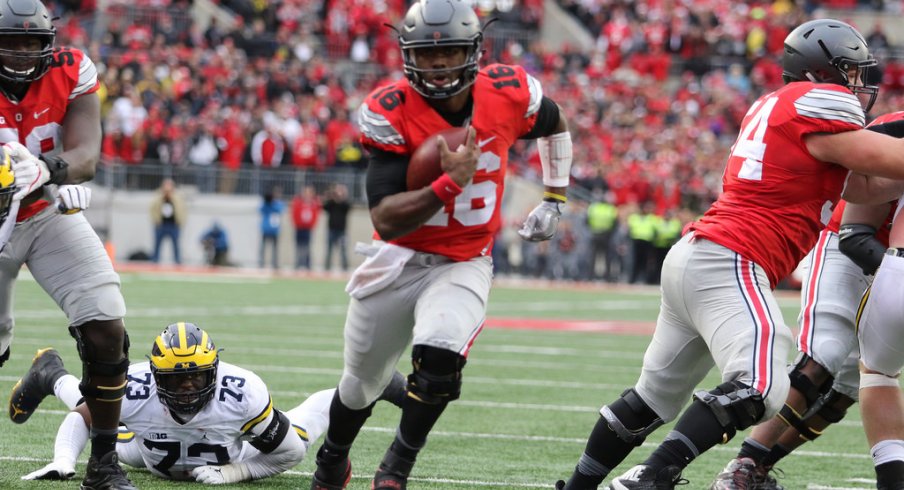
(31,389)
(331,476)
(642,477)
(106,474)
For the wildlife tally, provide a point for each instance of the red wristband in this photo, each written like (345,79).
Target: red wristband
(445,188)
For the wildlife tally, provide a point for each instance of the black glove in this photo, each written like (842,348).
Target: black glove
(859,243)
(4,357)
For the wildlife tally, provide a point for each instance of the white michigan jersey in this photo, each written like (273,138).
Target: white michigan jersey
(240,407)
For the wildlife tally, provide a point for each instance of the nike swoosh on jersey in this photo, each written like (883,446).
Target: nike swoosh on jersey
(481,143)
(41,113)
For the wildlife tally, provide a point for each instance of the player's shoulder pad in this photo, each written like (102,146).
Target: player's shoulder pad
(78,70)
(244,391)
(380,116)
(515,83)
(829,102)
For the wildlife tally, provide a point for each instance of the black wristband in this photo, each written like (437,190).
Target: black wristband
(59,169)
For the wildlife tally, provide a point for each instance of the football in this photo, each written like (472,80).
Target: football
(424,165)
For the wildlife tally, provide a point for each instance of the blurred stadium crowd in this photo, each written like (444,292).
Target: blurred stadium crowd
(655,103)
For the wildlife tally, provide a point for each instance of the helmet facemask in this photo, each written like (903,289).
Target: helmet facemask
(419,77)
(186,391)
(23,66)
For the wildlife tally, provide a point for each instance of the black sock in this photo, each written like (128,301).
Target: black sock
(890,476)
(346,423)
(102,442)
(775,455)
(752,449)
(588,474)
(675,450)
(418,419)
(696,432)
(605,447)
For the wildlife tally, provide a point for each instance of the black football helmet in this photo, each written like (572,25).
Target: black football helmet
(824,51)
(25,18)
(184,352)
(431,23)
(7,183)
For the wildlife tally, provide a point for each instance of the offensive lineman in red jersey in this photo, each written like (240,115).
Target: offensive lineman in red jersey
(50,125)
(824,378)
(428,276)
(799,148)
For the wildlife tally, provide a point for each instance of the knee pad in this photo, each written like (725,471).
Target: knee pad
(826,407)
(631,418)
(92,366)
(437,375)
(735,405)
(803,384)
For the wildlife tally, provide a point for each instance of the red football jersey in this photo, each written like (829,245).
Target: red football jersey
(776,197)
(882,232)
(36,120)
(395,118)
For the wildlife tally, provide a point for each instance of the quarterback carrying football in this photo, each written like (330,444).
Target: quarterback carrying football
(187,415)
(427,277)
(50,127)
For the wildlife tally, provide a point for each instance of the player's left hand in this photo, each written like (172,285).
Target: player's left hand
(541,223)
(73,198)
(30,171)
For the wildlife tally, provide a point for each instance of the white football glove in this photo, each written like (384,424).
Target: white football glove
(219,475)
(58,470)
(31,172)
(541,223)
(73,198)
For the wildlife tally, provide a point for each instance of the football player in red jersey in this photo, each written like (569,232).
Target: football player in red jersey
(50,124)
(427,278)
(824,378)
(799,149)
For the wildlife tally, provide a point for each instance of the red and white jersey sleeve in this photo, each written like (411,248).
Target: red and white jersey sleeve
(397,119)
(776,197)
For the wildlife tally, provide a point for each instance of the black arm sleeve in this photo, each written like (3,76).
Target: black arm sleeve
(547,120)
(859,243)
(386,175)
(893,128)
(274,433)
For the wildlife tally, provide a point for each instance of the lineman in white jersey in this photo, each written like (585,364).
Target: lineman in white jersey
(189,416)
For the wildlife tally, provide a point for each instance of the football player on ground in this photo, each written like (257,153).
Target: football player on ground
(717,306)
(186,414)
(427,278)
(50,125)
(825,377)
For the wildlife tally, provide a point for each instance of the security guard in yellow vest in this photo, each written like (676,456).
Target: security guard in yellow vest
(668,231)
(642,231)
(601,220)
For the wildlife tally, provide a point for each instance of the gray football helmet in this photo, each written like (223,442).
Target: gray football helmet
(823,51)
(432,23)
(25,18)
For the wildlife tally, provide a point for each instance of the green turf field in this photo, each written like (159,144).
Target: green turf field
(529,400)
